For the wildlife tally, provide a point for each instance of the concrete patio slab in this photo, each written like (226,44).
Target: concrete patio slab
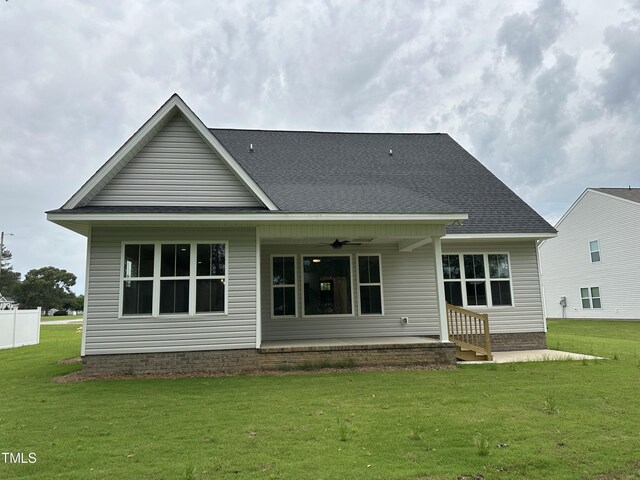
(535,356)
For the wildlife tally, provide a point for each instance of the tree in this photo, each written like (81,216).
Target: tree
(75,303)
(46,287)
(9,280)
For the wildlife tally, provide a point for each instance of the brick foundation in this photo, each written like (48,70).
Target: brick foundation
(246,360)
(502,342)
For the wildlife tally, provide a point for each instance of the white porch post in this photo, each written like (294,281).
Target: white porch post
(85,313)
(258,292)
(442,307)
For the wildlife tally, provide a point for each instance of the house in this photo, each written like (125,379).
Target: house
(7,303)
(592,269)
(228,249)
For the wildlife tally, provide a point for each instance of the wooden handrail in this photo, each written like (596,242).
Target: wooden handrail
(469,329)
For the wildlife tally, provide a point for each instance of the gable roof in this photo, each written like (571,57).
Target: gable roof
(316,174)
(354,172)
(626,194)
(139,139)
(631,194)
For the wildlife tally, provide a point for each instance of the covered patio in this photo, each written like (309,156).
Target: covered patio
(350,285)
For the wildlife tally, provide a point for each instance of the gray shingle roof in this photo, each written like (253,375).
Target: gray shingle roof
(632,194)
(353,172)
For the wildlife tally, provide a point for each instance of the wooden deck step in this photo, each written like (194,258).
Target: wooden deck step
(469,355)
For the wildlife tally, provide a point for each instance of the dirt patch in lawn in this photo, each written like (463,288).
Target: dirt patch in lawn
(78,376)
(632,472)
(70,361)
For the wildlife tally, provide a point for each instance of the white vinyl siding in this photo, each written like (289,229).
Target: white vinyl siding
(566,264)
(409,290)
(525,314)
(175,168)
(107,333)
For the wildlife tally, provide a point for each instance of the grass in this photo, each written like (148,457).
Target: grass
(551,405)
(373,425)
(482,445)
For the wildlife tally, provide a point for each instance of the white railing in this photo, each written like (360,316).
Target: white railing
(19,328)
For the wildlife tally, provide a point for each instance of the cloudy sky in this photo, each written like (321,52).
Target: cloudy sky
(546,93)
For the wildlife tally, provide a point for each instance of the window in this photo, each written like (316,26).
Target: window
(210,277)
(594,250)
(370,284)
(477,280)
(452,281)
(159,278)
(174,278)
(327,285)
(499,279)
(476,285)
(590,297)
(283,282)
(137,288)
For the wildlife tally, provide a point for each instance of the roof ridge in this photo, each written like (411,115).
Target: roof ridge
(322,131)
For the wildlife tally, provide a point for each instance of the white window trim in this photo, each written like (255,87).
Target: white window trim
(351,278)
(594,251)
(590,298)
(295,285)
(487,279)
(360,284)
(155,307)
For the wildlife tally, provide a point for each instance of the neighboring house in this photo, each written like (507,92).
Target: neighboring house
(227,249)
(7,303)
(593,266)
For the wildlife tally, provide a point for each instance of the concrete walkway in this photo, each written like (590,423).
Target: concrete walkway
(62,322)
(537,356)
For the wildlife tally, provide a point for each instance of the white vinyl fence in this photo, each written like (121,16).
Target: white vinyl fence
(19,327)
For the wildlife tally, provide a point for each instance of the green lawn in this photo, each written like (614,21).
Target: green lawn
(559,419)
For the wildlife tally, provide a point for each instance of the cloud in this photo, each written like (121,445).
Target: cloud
(525,36)
(79,78)
(620,89)
(530,146)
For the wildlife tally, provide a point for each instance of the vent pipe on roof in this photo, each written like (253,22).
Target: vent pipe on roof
(390,152)
(251,147)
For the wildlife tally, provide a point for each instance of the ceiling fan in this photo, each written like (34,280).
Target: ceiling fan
(336,244)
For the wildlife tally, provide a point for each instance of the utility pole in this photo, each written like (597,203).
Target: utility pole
(2,252)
